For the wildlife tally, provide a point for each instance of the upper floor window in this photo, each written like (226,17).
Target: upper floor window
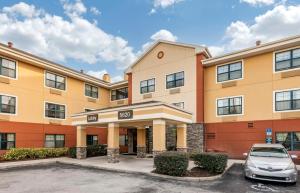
(7,141)
(92,140)
(287,100)
(55,81)
(179,105)
(175,80)
(91,91)
(229,72)
(229,106)
(287,60)
(55,111)
(7,68)
(7,104)
(147,86)
(54,141)
(118,94)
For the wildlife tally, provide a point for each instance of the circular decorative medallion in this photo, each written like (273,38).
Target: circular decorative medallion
(160,54)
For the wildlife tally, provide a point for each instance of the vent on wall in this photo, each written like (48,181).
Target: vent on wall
(210,135)
(250,125)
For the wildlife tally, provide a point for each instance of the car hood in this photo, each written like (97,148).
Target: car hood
(265,162)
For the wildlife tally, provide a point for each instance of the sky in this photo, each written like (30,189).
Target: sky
(106,36)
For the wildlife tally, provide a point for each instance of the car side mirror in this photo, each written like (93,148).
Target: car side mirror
(294,156)
(245,154)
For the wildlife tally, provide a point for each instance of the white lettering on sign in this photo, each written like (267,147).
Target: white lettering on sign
(125,114)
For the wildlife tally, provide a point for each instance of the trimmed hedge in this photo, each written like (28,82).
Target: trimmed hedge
(213,162)
(96,150)
(34,153)
(171,163)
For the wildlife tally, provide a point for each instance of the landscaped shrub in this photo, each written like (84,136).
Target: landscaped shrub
(72,152)
(171,163)
(34,153)
(96,150)
(212,162)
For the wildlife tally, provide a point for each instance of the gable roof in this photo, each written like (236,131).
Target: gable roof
(252,51)
(198,49)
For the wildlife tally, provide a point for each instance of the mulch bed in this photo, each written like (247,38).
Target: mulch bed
(198,172)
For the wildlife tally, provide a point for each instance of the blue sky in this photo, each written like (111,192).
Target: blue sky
(107,35)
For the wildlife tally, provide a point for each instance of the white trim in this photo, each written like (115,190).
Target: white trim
(274,102)
(17,68)
(51,72)
(16,105)
(274,60)
(90,96)
(236,61)
(51,118)
(117,89)
(230,115)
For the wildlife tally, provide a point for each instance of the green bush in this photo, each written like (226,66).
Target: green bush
(171,163)
(34,153)
(96,150)
(212,162)
(72,152)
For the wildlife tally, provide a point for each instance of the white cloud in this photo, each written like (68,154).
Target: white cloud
(258,2)
(162,34)
(152,11)
(117,78)
(165,3)
(59,39)
(95,11)
(279,22)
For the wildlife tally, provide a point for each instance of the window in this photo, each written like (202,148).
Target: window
(55,111)
(229,72)
(123,140)
(92,140)
(91,91)
(7,104)
(147,86)
(54,141)
(7,68)
(229,106)
(287,60)
(55,81)
(118,94)
(290,140)
(175,80)
(179,105)
(7,141)
(287,100)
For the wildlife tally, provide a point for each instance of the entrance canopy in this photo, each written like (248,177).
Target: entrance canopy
(131,115)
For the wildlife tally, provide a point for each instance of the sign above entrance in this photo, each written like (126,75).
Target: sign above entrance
(125,114)
(92,118)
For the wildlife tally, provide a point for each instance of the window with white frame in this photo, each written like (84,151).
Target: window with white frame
(54,141)
(287,60)
(55,111)
(229,72)
(55,81)
(7,104)
(287,100)
(8,68)
(179,105)
(175,80)
(91,91)
(230,106)
(147,86)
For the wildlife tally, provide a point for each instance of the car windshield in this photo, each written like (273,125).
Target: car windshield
(269,152)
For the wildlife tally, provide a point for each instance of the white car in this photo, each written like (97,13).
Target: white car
(270,162)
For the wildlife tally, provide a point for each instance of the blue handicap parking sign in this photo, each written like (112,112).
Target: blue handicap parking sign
(268,131)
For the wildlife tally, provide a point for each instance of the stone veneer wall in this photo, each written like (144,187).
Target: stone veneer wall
(195,137)
(171,137)
(149,140)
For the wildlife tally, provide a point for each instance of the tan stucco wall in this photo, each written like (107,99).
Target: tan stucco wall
(176,59)
(181,136)
(159,135)
(80,136)
(257,87)
(113,135)
(31,93)
(141,137)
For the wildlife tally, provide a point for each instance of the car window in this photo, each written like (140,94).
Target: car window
(269,152)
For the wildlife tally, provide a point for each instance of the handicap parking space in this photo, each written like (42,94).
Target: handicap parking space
(234,182)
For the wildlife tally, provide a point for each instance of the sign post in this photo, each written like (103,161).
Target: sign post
(269,135)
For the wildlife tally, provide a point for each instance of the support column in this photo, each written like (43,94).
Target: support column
(81,142)
(113,143)
(141,142)
(181,137)
(159,136)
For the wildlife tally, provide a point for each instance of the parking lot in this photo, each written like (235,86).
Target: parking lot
(66,178)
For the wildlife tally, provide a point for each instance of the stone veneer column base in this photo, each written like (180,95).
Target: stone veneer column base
(113,155)
(182,149)
(141,151)
(155,153)
(80,152)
